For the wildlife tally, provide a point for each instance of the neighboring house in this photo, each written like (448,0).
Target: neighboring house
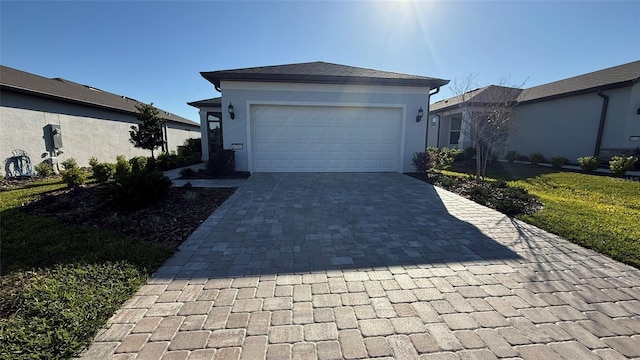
(592,114)
(89,122)
(316,117)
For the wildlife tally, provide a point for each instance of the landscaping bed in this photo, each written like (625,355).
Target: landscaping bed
(69,261)
(497,195)
(170,221)
(595,211)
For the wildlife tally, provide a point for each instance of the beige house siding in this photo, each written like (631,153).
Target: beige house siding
(569,126)
(86,131)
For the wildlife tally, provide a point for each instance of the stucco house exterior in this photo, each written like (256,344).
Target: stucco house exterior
(89,121)
(317,117)
(594,114)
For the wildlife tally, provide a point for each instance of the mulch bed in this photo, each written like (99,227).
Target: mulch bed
(169,221)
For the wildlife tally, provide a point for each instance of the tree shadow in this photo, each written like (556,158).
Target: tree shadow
(314,222)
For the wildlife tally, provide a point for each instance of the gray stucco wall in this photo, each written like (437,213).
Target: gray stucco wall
(568,126)
(86,131)
(241,94)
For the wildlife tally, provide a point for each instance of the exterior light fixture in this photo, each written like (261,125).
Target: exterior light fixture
(420,113)
(232,114)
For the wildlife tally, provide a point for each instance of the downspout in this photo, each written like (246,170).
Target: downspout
(603,117)
(428,124)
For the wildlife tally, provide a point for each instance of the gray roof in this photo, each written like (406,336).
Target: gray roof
(478,97)
(322,73)
(213,102)
(610,78)
(69,91)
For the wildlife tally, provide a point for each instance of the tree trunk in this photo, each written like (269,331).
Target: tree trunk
(478,160)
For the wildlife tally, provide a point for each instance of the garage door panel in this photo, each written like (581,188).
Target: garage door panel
(314,138)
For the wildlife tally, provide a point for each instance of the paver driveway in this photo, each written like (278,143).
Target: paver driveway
(334,266)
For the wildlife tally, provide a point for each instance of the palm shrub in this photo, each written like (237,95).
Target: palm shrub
(619,165)
(536,158)
(558,162)
(588,163)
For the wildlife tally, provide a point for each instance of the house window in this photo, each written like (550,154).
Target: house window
(214,131)
(454,131)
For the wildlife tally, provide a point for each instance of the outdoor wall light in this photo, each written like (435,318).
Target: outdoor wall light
(420,113)
(232,114)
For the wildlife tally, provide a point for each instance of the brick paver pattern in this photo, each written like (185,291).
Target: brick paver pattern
(353,266)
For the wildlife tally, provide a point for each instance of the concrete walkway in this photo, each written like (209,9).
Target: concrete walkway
(333,266)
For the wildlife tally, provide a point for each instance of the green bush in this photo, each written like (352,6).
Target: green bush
(104,172)
(536,158)
(138,163)
(511,156)
(222,163)
(558,162)
(443,157)
(523,158)
(136,188)
(73,176)
(44,169)
(619,165)
(69,163)
(588,163)
(123,167)
(422,161)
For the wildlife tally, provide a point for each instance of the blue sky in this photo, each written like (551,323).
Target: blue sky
(153,51)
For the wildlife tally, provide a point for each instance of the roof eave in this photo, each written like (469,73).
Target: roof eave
(215,78)
(76,101)
(593,89)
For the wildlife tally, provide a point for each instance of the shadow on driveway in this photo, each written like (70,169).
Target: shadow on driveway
(308,222)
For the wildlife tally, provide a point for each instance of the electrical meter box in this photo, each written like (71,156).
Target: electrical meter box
(52,137)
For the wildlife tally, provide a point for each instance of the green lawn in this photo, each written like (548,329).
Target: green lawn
(59,284)
(598,212)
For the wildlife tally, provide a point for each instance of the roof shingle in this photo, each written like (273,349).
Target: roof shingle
(321,72)
(66,90)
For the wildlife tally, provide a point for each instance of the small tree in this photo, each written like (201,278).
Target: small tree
(486,116)
(148,134)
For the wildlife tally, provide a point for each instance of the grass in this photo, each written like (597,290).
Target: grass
(597,212)
(59,284)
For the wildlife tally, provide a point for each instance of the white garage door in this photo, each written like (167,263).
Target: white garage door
(325,139)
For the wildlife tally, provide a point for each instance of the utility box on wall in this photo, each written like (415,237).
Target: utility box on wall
(52,137)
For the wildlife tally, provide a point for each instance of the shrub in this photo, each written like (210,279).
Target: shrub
(588,163)
(511,156)
(187,173)
(422,161)
(69,163)
(138,163)
(523,158)
(558,162)
(619,165)
(103,172)
(123,168)
(44,169)
(536,158)
(136,188)
(222,163)
(192,146)
(72,175)
(442,158)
